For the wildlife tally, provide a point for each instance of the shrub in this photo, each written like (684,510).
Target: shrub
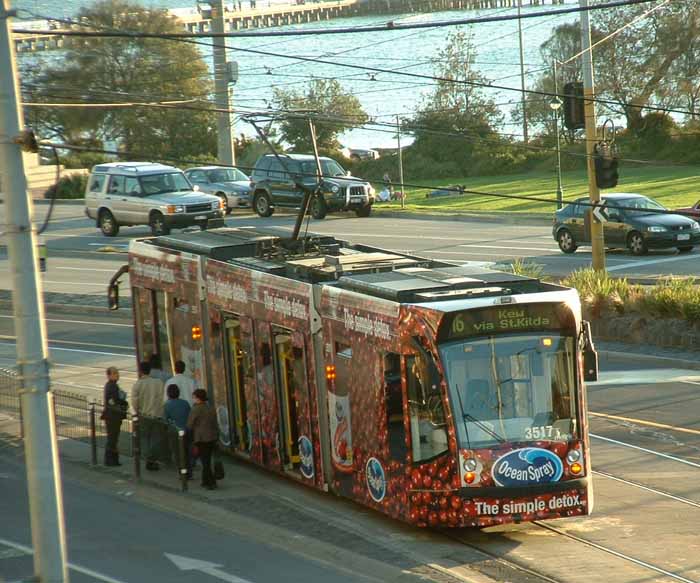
(599,292)
(72,186)
(525,268)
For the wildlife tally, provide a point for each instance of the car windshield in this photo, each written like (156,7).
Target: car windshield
(167,182)
(226,175)
(328,167)
(518,388)
(638,206)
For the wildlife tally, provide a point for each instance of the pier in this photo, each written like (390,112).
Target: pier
(265,15)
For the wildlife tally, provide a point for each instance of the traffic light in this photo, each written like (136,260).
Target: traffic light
(574,115)
(606,174)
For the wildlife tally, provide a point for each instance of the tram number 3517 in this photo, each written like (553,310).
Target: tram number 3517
(542,432)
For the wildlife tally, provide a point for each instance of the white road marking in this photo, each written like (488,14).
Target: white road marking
(8,337)
(73,566)
(86,269)
(74,350)
(78,322)
(189,564)
(645,450)
(476,246)
(653,262)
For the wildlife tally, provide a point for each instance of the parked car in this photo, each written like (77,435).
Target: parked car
(229,184)
(276,183)
(360,153)
(632,224)
(692,211)
(141,193)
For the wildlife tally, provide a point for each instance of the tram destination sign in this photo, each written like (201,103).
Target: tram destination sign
(504,319)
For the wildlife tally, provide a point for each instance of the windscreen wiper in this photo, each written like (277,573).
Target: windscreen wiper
(483,426)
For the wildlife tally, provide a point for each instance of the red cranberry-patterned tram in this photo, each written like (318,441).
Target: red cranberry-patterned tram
(439,394)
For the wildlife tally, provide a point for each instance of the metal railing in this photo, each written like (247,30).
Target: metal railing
(78,417)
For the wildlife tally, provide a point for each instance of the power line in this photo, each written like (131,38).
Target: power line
(388,26)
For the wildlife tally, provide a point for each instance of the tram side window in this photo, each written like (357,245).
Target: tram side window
(145,323)
(394,407)
(426,409)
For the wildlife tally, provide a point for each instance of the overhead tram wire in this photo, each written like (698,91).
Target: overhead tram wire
(388,26)
(553,201)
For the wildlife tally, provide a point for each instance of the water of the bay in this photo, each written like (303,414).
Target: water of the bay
(384,94)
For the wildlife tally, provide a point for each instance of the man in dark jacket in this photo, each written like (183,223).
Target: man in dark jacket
(205,433)
(115,407)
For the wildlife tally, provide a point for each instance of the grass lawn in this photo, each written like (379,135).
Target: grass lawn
(672,186)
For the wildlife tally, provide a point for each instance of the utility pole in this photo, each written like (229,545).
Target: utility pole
(40,444)
(522,73)
(398,138)
(224,120)
(597,239)
(555,104)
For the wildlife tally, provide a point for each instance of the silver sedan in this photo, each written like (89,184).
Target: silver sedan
(229,184)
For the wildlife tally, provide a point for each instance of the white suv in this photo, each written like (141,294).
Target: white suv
(143,193)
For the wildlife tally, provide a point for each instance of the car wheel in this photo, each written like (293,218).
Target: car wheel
(566,241)
(319,210)
(636,244)
(108,224)
(685,249)
(224,199)
(364,211)
(158,224)
(262,204)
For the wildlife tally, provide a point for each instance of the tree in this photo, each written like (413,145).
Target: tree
(114,70)
(456,106)
(334,111)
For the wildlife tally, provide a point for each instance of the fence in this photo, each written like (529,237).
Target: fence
(77,417)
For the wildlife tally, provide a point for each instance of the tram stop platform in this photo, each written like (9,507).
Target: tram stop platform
(281,513)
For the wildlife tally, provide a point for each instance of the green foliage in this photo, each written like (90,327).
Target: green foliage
(71,186)
(670,298)
(334,111)
(525,268)
(112,70)
(82,159)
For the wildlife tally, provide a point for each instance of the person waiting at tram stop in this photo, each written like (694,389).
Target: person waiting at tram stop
(204,426)
(157,371)
(114,412)
(147,396)
(185,383)
(176,411)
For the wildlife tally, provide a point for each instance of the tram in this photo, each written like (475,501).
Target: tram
(439,394)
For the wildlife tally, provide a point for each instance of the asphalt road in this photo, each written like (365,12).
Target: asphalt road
(81,260)
(114,539)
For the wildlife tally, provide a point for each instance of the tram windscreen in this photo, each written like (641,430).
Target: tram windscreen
(512,388)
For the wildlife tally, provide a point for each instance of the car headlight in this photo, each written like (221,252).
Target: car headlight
(656,229)
(175,208)
(695,226)
(334,188)
(215,206)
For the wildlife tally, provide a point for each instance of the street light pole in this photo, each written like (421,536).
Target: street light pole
(224,120)
(398,138)
(522,73)
(40,444)
(555,104)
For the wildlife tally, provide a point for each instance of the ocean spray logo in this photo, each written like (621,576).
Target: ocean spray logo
(306,457)
(376,480)
(530,465)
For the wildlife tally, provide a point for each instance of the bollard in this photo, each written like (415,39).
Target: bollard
(93,434)
(182,459)
(136,445)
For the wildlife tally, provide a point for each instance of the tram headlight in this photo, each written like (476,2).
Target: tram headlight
(576,468)
(470,464)
(469,477)
(573,456)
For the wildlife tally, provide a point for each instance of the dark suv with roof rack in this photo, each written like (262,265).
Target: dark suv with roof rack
(277,182)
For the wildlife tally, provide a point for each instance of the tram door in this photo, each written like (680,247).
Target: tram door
(289,362)
(235,374)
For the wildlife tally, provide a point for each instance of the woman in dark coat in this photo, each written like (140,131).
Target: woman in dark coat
(205,433)
(114,412)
